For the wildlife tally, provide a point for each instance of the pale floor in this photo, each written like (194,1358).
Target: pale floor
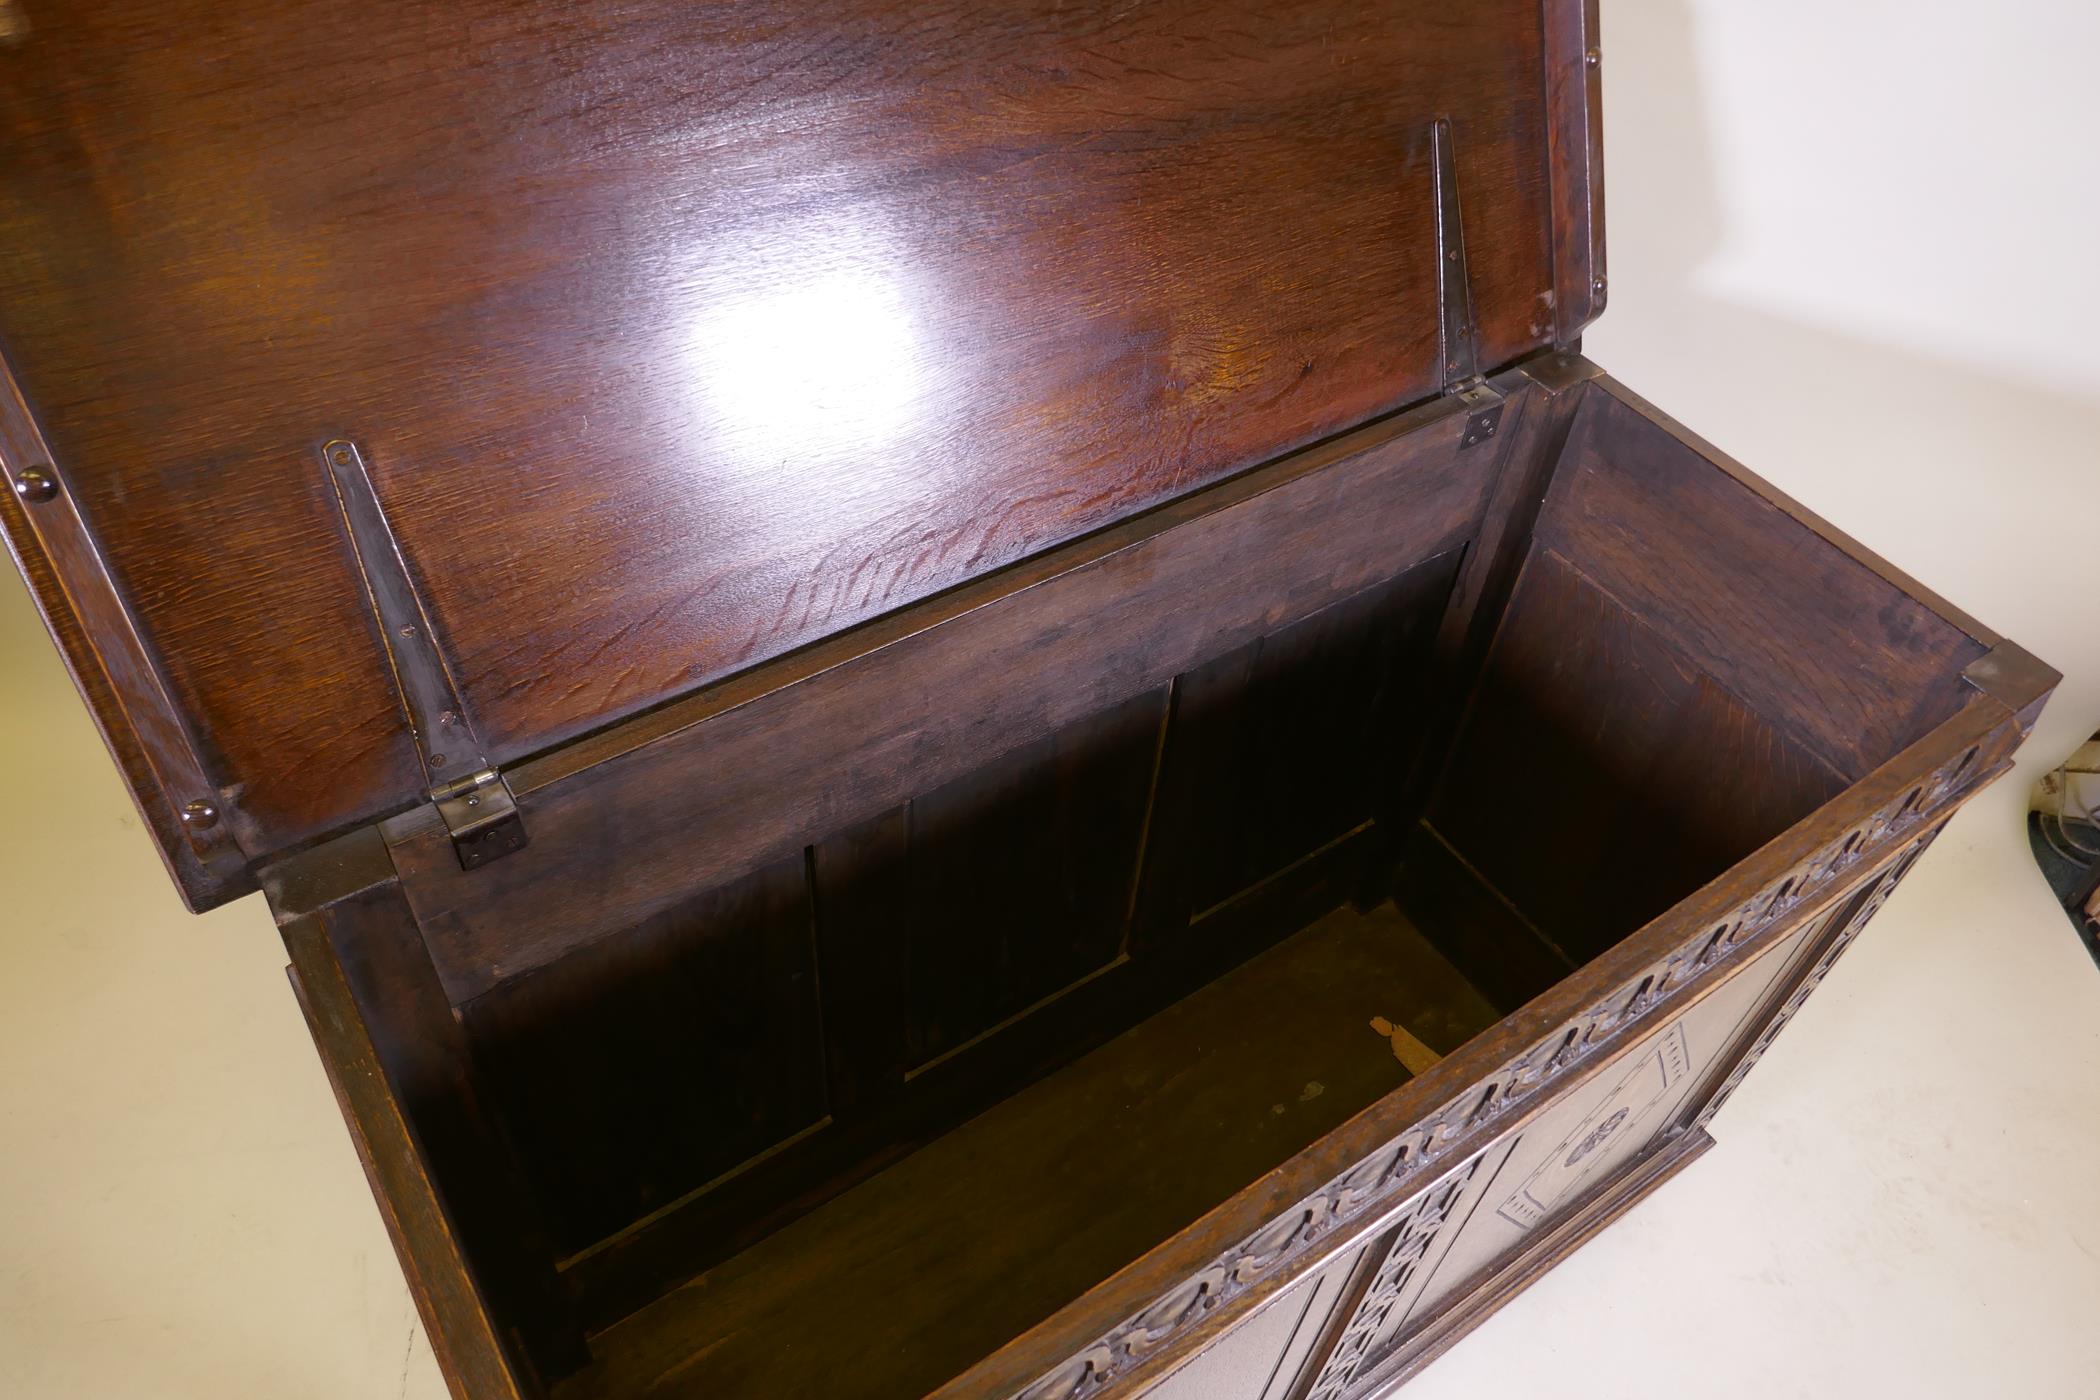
(1904,1201)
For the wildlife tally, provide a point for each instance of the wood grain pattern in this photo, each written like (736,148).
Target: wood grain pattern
(1020,876)
(680,336)
(1750,597)
(758,767)
(1575,789)
(1575,154)
(1287,744)
(374,947)
(81,600)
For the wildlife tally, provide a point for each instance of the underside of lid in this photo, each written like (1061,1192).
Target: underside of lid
(676,337)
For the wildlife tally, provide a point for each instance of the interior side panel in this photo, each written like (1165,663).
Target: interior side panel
(1845,662)
(1602,776)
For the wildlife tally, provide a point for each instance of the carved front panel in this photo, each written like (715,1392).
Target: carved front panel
(1410,1246)
(1543,1170)
(1261,1358)
(1584,1142)
(1856,916)
(1769,922)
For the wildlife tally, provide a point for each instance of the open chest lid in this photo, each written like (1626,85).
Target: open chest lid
(399,394)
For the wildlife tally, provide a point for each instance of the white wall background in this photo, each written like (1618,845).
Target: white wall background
(1856,243)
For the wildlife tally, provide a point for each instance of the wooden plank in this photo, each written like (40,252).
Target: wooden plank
(1501,951)
(762,766)
(1794,510)
(1020,876)
(465,1339)
(1287,744)
(1581,789)
(194,823)
(365,947)
(1798,626)
(1575,163)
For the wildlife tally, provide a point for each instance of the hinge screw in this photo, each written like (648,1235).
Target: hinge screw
(201,815)
(36,486)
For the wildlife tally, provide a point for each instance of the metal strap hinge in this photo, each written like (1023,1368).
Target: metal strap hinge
(477,809)
(482,817)
(1458,335)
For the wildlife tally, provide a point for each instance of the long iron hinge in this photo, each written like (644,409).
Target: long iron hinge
(470,795)
(1458,335)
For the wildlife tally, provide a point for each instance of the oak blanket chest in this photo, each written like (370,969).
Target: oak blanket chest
(944,700)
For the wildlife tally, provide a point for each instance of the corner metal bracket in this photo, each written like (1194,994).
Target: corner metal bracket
(1458,335)
(471,797)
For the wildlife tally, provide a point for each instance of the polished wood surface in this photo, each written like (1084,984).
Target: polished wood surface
(679,336)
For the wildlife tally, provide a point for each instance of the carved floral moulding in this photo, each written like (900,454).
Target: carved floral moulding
(1860,918)
(1391,1180)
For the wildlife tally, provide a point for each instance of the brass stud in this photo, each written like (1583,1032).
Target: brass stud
(201,815)
(36,486)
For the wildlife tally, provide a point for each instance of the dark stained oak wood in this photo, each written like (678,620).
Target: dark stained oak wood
(1047,839)
(678,336)
(1627,848)
(1705,558)
(933,692)
(1575,154)
(1282,746)
(469,1342)
(372,946)
(1116,1150)
(1049,729)
(1484,1091)
(97,631)
(644,1065)
(1587,725)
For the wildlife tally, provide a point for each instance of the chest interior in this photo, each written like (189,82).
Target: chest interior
(1166,859)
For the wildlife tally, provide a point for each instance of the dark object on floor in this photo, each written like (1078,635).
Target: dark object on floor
(2065,838)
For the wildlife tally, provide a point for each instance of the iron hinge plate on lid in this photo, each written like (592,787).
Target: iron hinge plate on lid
(1458,334)
(471,797)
